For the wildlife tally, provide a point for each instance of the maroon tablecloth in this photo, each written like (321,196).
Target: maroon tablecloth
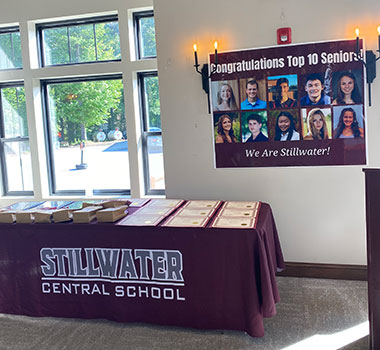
(203,278)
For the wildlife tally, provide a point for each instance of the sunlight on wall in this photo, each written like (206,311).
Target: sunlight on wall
(333,341)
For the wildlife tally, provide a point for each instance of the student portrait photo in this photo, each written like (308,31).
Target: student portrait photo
(314,89)
(227,127)
(252,94)
(346,87)
(317,123)
(284,125)
(348,122)
(254,126)
(225,95)
(282,91)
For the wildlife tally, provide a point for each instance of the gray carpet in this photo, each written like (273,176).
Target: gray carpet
(311,313)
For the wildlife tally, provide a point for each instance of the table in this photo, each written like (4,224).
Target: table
(192,277)
(372,191)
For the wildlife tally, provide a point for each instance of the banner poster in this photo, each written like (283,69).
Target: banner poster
(295,105)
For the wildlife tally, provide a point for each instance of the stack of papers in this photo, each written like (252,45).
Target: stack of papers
(165,203)
(152,213)
(237,215)
(138,202)
(199,212)
(140,220)
(186,221)
(155,211)
(202,204)
(111,214)
(195,213)
(241,205)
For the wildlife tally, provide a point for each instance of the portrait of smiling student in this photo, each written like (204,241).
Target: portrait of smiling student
(225,130)
(252,101)
(348,125)
(316,125)
(254,125)
(347,90)
(225,98)
(285,129)
(314,88)
(282,100)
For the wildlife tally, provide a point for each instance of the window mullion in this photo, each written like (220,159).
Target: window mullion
(12,47)
(68,42)
(95,44)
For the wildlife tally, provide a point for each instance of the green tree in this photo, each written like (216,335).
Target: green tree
(82,43)
(78,107)
(14,111)
(81,105)
(148,37)
(153,101)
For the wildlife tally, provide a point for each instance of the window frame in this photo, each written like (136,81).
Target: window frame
(10,30)
(3,140)
(48,139)
(66,24)
(145,133)
(137,31)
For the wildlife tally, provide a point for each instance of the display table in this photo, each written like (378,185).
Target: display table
(193,277)
(372,191)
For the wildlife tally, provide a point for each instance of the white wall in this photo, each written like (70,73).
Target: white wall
(319,211)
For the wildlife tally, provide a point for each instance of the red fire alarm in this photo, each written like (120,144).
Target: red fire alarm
(284,35)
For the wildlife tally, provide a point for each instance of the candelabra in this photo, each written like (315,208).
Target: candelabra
(369,63)
(205,73)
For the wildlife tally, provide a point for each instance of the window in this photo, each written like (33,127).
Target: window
(87,136)
(10,48)
(85,112)
(145,35)
(14,146)
(74,42)
(152,135)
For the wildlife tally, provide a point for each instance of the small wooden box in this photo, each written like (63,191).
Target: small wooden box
(111,214)
(25,217)
(7,217)
(114,203)
(86,214)
(98,203)
(43,216)
(62,215)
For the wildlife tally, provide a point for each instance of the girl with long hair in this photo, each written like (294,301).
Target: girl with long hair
(225,98)
(348,126)
(224,130)
(285,129)
(348,90)
(316,125)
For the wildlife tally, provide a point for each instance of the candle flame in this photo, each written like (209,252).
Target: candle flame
(357,31)
(216,45)
(195,47)
(378,29)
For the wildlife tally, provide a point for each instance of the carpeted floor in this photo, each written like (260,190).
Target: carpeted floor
(313,314)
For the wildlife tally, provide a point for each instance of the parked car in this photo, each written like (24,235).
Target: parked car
(154,141)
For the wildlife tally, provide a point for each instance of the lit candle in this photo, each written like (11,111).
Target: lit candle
(216,52)
(195,55)
(357,40)
(378,30)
